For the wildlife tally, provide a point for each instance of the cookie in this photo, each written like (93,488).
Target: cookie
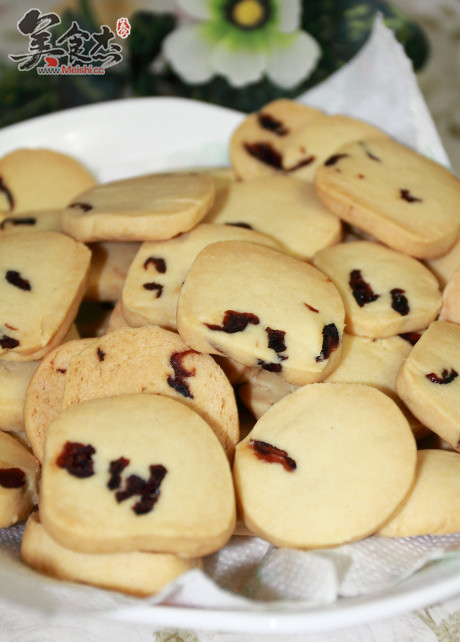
(19,472)
(450,310)
(40,179)
(326,465)
(373,362)
(384,292)
(136,473)
(35,221)
(402,198)
(156,361)
(445,266)
(433,505)
(285,208)
(262,308)
(146,208)
(45,392)
(257,144)
(44,278)
(134,573)
(116,319)
(308,148)
(109,266)
(155,278)
(428,381)
(14,379)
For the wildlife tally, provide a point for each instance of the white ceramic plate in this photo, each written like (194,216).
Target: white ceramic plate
(130,137)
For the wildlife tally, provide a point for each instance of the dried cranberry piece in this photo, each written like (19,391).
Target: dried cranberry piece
(369,153)
(310,307)
(100,354)
(116,467)
(271,367)
(332,160)
(446,376)
(273,455)
(399,302)
(266,121)
(77,459)
(276,339)
(159,263)
(154,286)
(86,207)
(8,194)
(180,373)
(246,226)
(361,290)
(62,370)
(14,278)
(302,163)
(20,220)
(12,478)
(133,486)
(331,340)
(407,196)
(411,337)
(234,322)
(8,343)
(265,153)
(149,490)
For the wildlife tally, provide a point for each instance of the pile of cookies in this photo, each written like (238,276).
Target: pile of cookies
(269,342)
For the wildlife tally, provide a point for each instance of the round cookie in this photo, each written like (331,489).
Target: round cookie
(450,310)
(309,147)
(19,473)
(156,361)
(146,208)
(386,189)
(326,465)
(156,275)
(285,208)
(384,292)
(262,308)
(136,472)
(43,401)
(40,179)
(428,381)
(44,278)
(257,144)
(108,269)
(433,505)
(134,573)
(35,221)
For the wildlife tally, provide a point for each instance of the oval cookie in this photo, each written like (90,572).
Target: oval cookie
(262,308)
(136,472)
(326,465)
(156,361)
(146,208)
(384,292)
(402,198)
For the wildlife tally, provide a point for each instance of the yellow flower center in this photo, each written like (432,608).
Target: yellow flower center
(248,13)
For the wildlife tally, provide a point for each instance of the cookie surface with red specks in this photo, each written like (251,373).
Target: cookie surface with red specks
(40,179)
(136,473)
(384,292)
(45,392)
(155,361)
(428,381)
(154,280)
(134,573)
(285,208)
(109,266)
(326,465)
(43,278)
(19,473)
(257,144)
(400,197)
(262,308)
(145,208)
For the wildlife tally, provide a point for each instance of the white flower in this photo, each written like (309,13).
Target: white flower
(242,40)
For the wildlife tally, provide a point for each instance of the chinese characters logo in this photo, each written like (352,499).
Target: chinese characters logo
(75,51)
